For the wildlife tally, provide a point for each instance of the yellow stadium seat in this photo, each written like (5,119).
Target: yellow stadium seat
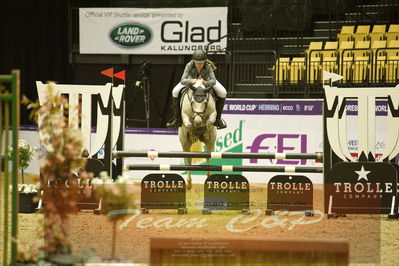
(379,29)
(393,33)
(362,62)
(330,57)
(362,33)
(392,65)
(282,70)
(346,34)
(394,28)
(313,61)
(297,69)
(378,60)
(346,60)
(378,33)
(331,45)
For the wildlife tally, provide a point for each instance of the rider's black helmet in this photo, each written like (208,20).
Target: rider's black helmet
(199,56)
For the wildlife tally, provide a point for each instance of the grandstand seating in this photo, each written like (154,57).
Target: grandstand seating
(361,57)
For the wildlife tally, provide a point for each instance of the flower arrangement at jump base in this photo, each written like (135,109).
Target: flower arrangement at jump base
(116,202)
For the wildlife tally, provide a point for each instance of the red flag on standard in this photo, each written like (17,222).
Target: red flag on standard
(121,75)
(108,72)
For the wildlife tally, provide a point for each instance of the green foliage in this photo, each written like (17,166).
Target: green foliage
(26,153)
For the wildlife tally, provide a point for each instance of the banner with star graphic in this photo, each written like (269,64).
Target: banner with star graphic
(367,183)
(362,188)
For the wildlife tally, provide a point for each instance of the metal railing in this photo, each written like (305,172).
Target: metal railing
(9,108)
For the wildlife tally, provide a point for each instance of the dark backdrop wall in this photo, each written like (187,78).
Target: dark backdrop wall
(34,39)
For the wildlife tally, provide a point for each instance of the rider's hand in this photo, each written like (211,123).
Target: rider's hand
(193,81)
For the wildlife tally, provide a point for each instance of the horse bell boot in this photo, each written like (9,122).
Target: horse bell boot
(220,123)
(176,121)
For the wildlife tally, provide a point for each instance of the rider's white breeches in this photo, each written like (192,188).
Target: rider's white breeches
(219,89)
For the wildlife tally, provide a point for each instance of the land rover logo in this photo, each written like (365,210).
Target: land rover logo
(130,35)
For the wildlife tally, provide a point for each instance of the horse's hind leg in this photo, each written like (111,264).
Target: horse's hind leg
(209,148)
(208,161)
(189,181)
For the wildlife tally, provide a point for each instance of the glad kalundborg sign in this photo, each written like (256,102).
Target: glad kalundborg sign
(152,30)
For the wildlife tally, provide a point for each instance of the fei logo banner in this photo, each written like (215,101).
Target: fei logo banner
(151,31)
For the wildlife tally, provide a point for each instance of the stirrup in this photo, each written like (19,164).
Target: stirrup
(174,124)
(220,124)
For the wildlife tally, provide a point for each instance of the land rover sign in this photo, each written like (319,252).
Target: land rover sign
(130,35)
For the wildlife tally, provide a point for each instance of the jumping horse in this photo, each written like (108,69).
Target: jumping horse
(198,112)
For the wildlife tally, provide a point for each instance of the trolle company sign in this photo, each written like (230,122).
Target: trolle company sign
(293,193)
(226,192)
(163,191)
(362,187)
(151,31)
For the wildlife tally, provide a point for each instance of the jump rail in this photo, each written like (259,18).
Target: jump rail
(225,168)
(218,155)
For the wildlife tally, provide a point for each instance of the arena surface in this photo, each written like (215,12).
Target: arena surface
(373,239)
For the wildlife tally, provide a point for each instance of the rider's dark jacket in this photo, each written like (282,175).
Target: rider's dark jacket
(191,72)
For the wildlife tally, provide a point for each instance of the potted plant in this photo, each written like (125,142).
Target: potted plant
(26,153)
(27,192)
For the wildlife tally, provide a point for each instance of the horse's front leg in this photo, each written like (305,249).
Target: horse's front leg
(211,119)
(186,120)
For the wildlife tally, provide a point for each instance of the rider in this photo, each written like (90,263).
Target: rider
(198,68)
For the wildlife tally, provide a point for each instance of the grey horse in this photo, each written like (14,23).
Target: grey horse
(198,115)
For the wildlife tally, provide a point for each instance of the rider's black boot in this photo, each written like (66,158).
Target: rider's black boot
(219,123)
(176,121)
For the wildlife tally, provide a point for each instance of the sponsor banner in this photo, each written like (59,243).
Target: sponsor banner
(381,108)
(151,30)
(249,130)
(276,107)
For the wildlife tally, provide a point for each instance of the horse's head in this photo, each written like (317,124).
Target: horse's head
(199,101)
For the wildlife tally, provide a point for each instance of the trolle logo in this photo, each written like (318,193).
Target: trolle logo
(130,35)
